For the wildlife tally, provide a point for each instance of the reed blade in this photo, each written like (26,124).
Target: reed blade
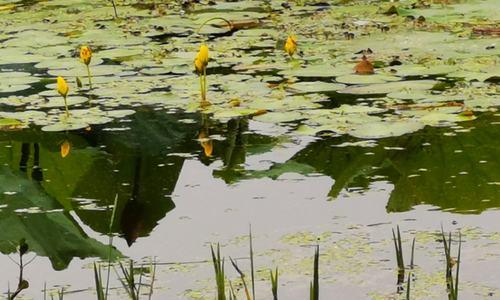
(252,274)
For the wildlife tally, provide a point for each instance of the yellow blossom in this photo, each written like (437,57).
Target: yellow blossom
(203,55)
(62,87)
(198,65)
(291,45)
(85,54)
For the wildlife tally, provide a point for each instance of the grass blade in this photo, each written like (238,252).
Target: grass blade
(98,283)
(242,276)
(314,288)
(274,283)
(408,286)
(252,274)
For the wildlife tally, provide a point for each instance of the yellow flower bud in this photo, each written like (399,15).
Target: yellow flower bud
(85,54)
(62,86)
(203,55)
(198,65)
(291,45)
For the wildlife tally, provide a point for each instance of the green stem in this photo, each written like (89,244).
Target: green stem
(202,88)
(66,107)
(114,8)
(216,18)
(204,83)
(90,76)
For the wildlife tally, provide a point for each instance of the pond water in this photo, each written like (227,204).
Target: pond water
(302,149)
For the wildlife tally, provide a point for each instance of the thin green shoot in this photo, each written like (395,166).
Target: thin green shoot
(412,265)
(451,283)
(128,281)
(399,258)
(98,282)
(114,8)
(242,276)
(232,294)
(218,263)
(274,283)
(314,286)
(110,243)
(252,273)
(408,286)
(152,268)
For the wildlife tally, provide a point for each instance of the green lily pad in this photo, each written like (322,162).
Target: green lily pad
(383,129)
(366,79)
(390,87)
(315,86)
(420,70)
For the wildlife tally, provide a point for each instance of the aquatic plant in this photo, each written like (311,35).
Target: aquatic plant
(220,278)
(408,286)
(200,65)
(291,45)
(274,283)
(63,89)
(86,57)
(252,269)
(128,281)
(98,282)
(399,257)
(22,283)
(314,285)
(242,277)
(451,283)
(114,8)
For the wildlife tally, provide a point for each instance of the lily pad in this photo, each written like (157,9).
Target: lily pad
(366,79)
(384,129)
(390,87)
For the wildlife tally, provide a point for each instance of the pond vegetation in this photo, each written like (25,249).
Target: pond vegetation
(135,135)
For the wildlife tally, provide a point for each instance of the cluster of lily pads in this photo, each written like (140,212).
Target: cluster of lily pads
(423,74)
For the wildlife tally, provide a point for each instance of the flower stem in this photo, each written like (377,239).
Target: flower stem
(202,88)
(205,83)
(114,8)
(90,76)
(66,107)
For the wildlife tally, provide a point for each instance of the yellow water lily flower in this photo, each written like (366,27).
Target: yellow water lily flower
(62,87)
(291,45)
(200,65)
(203,55)
(65,149)
(85,54)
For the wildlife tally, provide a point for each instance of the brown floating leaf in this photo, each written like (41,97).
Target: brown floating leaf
(486,31)
(364,67)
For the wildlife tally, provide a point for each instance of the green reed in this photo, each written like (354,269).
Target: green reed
(98,282)
(451,283)
(408,285)
(274,283)
(251,261)
(128,281)
(314,285)
(218,263)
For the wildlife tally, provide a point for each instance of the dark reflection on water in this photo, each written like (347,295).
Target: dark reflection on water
(141,166)
(438,166)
